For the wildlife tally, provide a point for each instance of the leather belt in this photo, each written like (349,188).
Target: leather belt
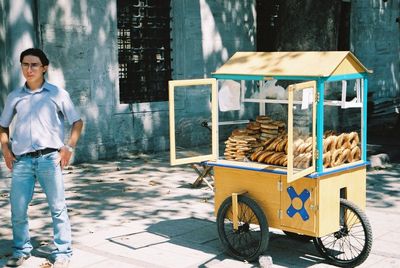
(39,153)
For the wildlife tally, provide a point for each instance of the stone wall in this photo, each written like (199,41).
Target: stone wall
(375,40)
(80,41)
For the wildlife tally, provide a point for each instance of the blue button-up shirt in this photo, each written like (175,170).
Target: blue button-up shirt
(38,117)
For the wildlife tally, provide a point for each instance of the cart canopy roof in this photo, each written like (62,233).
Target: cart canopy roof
(299,63)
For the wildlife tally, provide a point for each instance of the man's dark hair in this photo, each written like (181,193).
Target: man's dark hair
(35,52)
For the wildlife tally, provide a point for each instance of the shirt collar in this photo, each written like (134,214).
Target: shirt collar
(45,86)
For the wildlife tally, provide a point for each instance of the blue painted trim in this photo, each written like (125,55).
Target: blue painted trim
(302,78)
(320,124)
(320,174)
(214,164)
(264,170)
(364,127)
(237,77)
(345,77)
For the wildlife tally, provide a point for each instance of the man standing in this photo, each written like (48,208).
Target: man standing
(38,111)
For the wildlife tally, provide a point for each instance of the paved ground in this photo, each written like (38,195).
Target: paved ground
(140,212)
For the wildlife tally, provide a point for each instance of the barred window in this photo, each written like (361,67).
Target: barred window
(144,50)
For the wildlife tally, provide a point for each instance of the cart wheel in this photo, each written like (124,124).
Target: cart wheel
(251,238)
(351,244)
(298,237)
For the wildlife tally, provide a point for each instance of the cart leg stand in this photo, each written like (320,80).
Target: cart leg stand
(235,212)
(202,175)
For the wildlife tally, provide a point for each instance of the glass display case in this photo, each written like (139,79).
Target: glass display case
(295,113)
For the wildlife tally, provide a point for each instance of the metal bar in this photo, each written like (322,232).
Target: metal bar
(364,121)
(320,124)
(334,78)
(237,77)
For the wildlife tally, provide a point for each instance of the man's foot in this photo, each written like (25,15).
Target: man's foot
(61,263)
(16,261)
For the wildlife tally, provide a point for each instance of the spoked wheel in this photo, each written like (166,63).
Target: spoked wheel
(351,244)
(251,237)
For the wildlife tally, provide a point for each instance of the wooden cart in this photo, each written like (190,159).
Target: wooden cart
(313,202)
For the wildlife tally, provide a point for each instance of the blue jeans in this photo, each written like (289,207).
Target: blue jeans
(47,170)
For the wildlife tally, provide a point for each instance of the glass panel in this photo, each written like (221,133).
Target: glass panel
(301,126)
(192,124)
(342,123)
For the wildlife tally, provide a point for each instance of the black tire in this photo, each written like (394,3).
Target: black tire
(252,237)
(298,237)
(351,244)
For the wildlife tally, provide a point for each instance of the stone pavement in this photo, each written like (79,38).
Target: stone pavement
(140,212)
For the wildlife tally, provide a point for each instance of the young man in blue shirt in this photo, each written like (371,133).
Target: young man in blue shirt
(36,151)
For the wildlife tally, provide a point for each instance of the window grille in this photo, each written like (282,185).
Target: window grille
(144,51)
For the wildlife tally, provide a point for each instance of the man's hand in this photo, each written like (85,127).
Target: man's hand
(9,157)
(65,155)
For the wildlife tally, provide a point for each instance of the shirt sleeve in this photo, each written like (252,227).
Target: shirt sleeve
(8,112)
(69,110)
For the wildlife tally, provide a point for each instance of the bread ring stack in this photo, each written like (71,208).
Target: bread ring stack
(238,147)
(302,160)
(341,149)
(270,128)
(254,129)
(274,152)
(302,152)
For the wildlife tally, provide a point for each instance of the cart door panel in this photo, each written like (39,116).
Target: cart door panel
(298,206)
(192,105)
(301,130)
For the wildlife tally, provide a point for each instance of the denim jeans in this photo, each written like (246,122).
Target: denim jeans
(47,170)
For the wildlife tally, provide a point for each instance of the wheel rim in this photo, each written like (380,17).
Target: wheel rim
(349,243)
(246,240)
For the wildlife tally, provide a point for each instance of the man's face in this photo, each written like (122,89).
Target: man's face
(32,68)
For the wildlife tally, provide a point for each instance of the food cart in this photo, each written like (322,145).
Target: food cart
(294,159)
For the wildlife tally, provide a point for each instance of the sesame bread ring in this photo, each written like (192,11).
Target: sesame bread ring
(327,159)
(335,159)
(267,142)
(281,146)
(342,141)
(272,158)
(239,132)
(306,160)
(302,148)
(345,155)
(263,117)
(309,148)
(353,139)
(282,160)
(296,144)
(264,155)
(269,127)
(297,160)
(285,163)
(255,155)
(273,145)
(355,154)
(278,158)
(253,126)
(330,144)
